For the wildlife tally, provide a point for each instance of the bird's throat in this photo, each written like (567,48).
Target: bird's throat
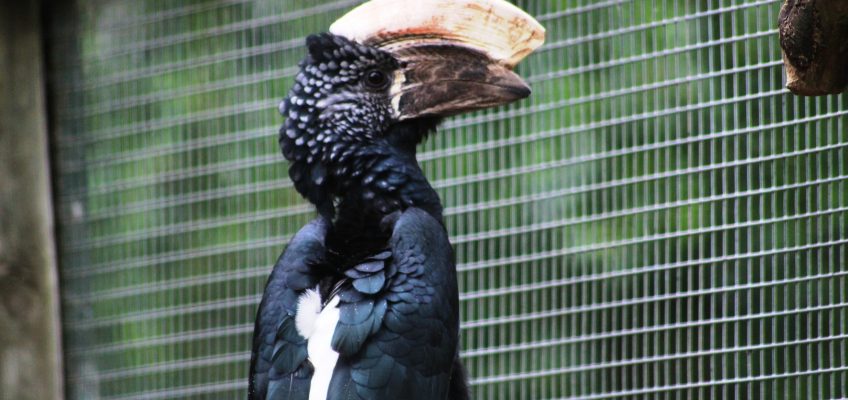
(357,181)
(364,213)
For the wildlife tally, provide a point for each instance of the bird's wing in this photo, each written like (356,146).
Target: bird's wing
(278,366)
(398,322)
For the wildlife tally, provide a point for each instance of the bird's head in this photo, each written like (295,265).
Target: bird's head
(358,91)
(392,62)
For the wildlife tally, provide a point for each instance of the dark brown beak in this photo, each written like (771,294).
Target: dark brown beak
(444,80)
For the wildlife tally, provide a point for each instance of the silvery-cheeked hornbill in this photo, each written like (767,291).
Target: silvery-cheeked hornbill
(363,303)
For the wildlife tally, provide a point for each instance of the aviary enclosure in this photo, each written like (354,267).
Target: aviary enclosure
(661,219)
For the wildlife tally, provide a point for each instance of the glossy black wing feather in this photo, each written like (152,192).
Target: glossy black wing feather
(399,325)
(278,366)
(361,308)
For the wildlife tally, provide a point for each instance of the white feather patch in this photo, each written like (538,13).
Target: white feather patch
(308,308)
(317,325)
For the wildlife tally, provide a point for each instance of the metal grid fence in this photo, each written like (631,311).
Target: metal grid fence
(661,219)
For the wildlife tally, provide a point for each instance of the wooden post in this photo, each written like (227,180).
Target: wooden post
(814,39)
(30,366)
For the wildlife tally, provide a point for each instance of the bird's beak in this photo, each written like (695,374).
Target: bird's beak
(447,80)
(456,55)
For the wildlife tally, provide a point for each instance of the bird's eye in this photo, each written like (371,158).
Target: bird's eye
(376,79)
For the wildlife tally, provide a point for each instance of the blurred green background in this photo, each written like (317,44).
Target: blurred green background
(661,219)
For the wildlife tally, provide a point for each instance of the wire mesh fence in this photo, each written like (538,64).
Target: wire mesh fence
(661,219)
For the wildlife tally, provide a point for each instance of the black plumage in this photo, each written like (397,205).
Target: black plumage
(379,245)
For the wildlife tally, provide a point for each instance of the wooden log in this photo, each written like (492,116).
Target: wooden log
(814,39)
(30,353)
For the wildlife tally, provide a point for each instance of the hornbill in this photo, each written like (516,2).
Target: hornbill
(363,303)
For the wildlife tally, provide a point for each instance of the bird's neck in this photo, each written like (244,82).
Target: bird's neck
(387,183)
(358,178)
(384,178)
